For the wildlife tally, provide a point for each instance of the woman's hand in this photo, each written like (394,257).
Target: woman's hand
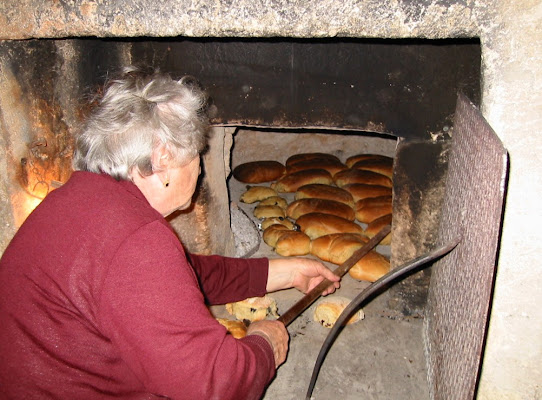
(302,273)
(276,335)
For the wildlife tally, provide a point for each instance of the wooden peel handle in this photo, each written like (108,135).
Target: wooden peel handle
(316,292)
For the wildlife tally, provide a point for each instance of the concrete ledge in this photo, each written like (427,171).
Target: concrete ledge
(263,18)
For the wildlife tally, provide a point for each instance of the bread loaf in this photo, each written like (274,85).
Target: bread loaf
(327,192)
(360,176)
(376,225)
(259,171)
(383,167)
(330,165)
(291,182)
(338,247)
(367,210)
(370,268)
(254,194)
(361,191)
(310,156)
(253,308)
(235,327)
(267,222)
(330,308)
(315,225)
(272,233)
(305,206)
(286,242)
(350,161)
(274,201)
(373,200)
(293,243)
(262,212)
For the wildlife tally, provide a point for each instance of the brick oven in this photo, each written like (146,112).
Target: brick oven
(385,73)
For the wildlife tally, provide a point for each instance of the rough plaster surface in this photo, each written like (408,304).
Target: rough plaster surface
(511,39)
(6,219)
(323,18)
(205,229)
(16,121)
(512,366)
(279,145)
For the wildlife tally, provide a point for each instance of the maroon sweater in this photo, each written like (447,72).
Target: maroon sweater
(99,301)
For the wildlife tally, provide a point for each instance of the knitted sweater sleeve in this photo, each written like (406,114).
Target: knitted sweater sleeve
(153,311)
(225,280)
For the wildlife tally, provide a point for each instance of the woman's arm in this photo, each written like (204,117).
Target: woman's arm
(301,273)
(225,280)
(153,313)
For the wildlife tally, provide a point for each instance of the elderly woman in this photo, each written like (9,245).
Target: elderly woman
(98,297)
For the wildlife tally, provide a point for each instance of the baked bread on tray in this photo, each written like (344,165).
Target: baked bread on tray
(291,182)
(328,192)
(305,206)
(336,248)
(259,171)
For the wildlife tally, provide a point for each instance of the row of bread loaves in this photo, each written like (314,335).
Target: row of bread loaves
(329,198)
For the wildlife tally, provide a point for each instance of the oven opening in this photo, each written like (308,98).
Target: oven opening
(272,99)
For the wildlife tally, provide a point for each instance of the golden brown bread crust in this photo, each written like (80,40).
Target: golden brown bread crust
(360,176)
(368,214)
(350,161)
(262,212)
(272,233)
(376,225)
(370,268)
(291,182)
(286,242)
(361,191)
(328,310)
(235,327)
(305,206)
(253,308)
(330,165)
(259,171)
(293,243)
(274,201)
(254,194)
(379,166)
(367,210)
(373,200)
(315,225)
(328,192)
(310,156)
(267,222)
(338,247)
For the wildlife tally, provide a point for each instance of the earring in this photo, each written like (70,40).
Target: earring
(166,183)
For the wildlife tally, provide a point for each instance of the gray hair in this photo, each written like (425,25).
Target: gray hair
(137,113)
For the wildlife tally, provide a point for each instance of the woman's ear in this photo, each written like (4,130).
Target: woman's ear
(161,158)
